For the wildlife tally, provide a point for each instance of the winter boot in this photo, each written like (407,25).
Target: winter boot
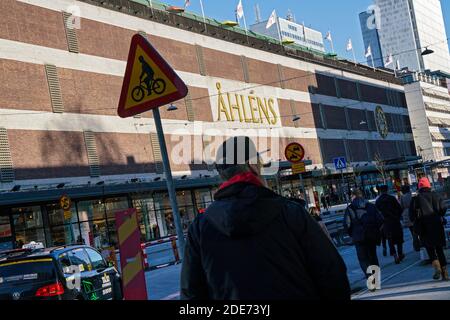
(437,269)
(444,273)
(384,252)
(396,259)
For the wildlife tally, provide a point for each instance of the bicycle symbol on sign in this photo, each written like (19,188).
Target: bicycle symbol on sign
(147,83)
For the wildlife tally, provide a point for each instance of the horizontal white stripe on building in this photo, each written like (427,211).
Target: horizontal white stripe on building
(29,53)
(125,21)
(48,121)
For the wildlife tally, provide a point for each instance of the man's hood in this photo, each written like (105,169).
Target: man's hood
(243,209)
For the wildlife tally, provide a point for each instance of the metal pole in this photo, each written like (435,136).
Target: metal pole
(303,190)
(169,179)
(344,192)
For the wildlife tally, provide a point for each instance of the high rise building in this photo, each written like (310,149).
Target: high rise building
(406,27)
(289,29)
(371,38)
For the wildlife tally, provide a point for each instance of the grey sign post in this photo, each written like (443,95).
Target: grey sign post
(340,164)
(170,184)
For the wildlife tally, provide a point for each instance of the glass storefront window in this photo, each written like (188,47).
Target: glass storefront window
(57,216)
(91,210)
(95,233)
(28,235)
(203,197)
(27,217)
(145,209)
(28,225)
(112,205)
(64,234)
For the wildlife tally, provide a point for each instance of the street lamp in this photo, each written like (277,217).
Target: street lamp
(296,118)
(172,107)
(427,51)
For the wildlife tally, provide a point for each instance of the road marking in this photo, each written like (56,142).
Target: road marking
(171,296)
(389,278)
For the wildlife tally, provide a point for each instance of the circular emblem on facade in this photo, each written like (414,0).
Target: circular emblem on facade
(16,295)
(65,202)
(380,120)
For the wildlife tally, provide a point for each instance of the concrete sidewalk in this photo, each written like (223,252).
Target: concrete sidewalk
(409,281)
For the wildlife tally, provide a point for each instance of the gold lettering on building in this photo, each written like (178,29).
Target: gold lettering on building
(248,109)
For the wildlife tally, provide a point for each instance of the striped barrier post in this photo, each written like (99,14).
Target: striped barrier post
(144,255)
(131,258)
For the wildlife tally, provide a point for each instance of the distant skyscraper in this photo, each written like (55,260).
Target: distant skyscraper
(406,27)
(371,39)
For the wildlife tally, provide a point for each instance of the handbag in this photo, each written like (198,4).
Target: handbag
(418,221)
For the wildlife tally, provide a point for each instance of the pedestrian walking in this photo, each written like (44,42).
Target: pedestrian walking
(405,202)
(427,212)
(392,228)
(362,221)
(315,214)
(323,200)
(252,243)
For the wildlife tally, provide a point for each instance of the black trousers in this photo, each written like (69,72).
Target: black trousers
(393,250)
(416,241)
(367,255)
(437,253)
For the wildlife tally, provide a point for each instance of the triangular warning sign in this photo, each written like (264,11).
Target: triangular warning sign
(149,81)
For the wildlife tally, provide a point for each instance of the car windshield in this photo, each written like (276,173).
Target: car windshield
(30,270)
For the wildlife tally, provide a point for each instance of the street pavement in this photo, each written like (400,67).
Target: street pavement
(411,279)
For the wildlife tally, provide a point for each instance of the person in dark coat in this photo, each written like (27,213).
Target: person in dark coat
(392,213)
(363,222)
(405,202)
(252,244)
(323,200)
(427,210)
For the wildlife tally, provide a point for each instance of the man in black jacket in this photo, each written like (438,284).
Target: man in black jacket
(363,221)
(254,244)
(392,228)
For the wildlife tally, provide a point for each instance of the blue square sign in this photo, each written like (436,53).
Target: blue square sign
(340,163)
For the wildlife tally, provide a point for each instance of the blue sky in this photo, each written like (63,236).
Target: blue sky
(341,17)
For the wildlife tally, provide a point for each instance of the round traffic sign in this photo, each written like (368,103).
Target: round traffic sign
(294,152)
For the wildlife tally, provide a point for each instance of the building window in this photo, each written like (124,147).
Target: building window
(63,227)
(28,225)
(93,225)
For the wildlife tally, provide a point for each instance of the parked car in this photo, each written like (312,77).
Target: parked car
(61,273)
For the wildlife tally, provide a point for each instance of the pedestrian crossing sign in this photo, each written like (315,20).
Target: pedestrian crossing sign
(149,81)
(340,163)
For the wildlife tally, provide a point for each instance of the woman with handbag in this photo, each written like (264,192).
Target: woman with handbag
(426,212)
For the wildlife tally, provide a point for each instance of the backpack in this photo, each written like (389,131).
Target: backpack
(371,231)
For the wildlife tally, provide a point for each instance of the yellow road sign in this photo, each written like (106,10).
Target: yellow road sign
(298,168)
(149,81)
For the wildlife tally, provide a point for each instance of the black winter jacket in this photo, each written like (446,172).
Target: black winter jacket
(433,209)
(363,221)
(392,211)
(254,244)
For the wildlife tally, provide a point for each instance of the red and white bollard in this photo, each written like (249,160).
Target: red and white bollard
(144,255)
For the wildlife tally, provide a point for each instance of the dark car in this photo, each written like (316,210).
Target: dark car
(61,273)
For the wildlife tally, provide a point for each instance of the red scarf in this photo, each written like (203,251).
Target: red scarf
(248,177)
